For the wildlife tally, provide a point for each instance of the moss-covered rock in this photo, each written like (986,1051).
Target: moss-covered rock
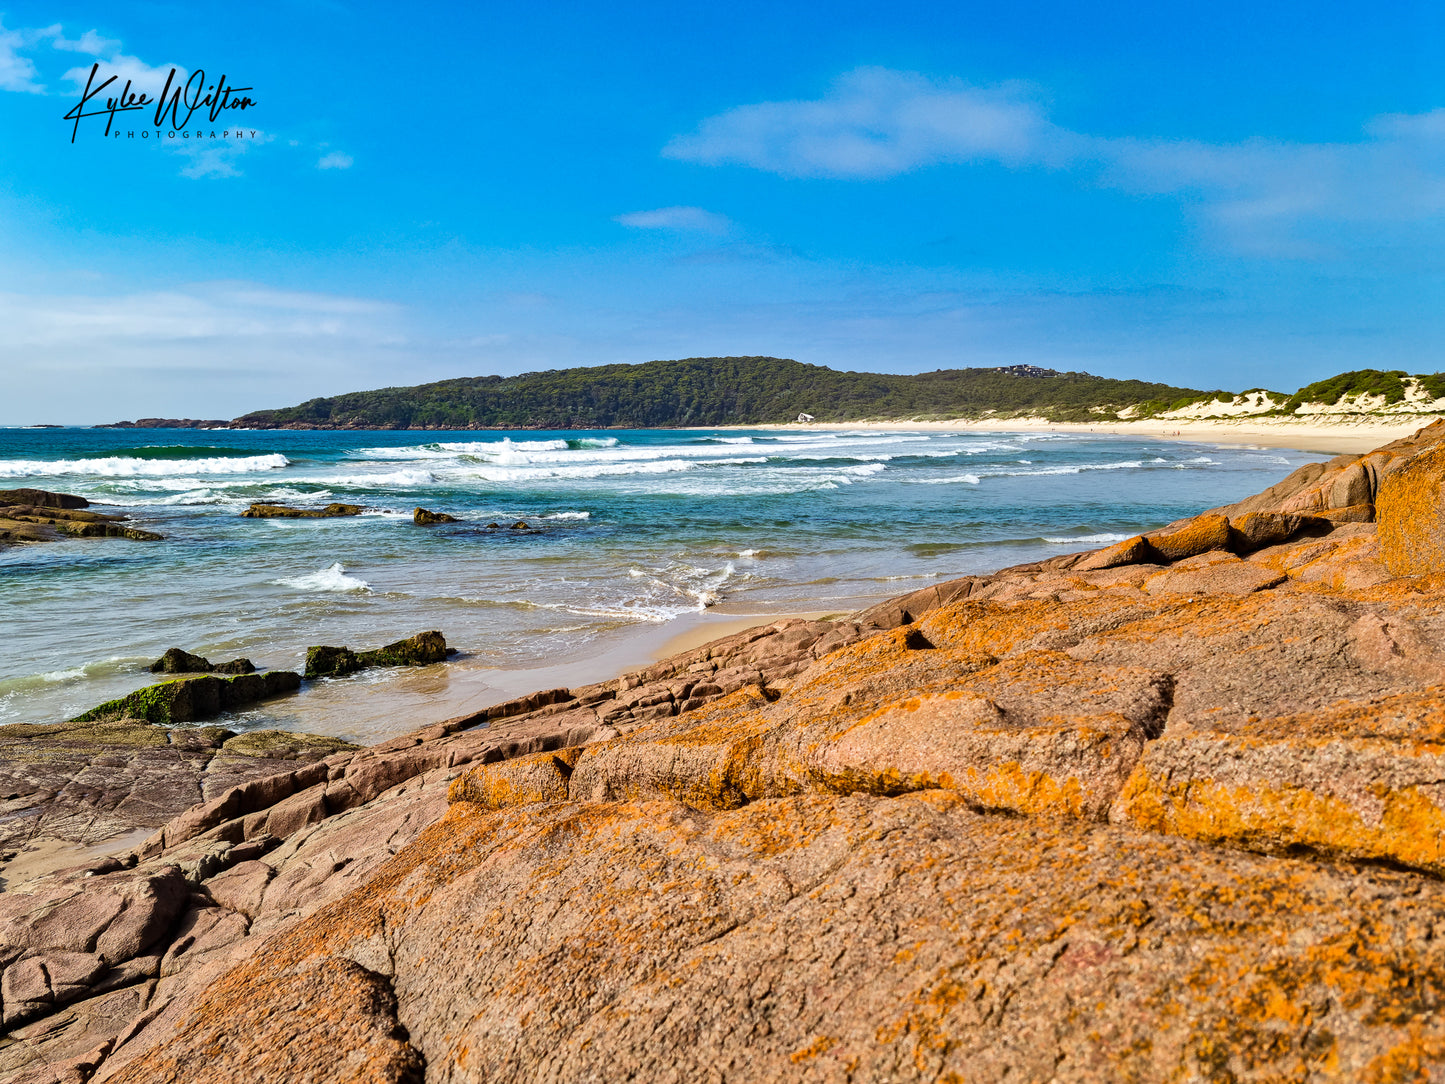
(418,650)
(421,517)
(188,699)
(323,661)
(179,661)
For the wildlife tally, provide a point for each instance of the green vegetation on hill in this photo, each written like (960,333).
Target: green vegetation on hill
(1389,383)
(714,391)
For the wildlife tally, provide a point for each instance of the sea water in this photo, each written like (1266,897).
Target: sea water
(629,536)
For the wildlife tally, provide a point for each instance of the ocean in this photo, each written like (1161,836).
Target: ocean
(630,537)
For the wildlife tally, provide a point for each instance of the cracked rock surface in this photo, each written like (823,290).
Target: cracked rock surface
(1171,810)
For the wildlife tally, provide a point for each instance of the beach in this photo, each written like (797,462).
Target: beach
(1337,434)
(571,553)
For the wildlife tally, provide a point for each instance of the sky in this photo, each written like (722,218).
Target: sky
(1220,195)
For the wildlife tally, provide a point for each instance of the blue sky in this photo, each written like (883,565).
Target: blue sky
(1210,194)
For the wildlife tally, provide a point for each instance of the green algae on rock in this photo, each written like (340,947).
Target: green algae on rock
(418,650)
(192,698)
(179,661)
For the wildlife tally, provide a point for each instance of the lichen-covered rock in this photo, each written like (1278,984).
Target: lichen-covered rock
(540,777)
(1076,820)
(1410,511)
(1199,535)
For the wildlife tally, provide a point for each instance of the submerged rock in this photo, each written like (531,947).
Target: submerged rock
(178,661)
(422,517)
(418,650)
(281,511)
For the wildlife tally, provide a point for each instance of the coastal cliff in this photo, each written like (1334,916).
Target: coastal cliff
(1170,810)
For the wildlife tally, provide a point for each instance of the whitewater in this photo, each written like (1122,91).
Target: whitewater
(629,536)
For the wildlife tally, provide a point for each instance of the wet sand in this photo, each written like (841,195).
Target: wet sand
(375,705)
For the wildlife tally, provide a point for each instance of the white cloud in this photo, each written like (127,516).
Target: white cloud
(874,124)
(693,219)
(90,42)
(190,314)
(335,160)
(141,76)
(16,72)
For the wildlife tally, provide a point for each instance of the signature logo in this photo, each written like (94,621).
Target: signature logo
(174,108)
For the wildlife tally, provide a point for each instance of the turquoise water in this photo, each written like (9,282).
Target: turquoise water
(629,532)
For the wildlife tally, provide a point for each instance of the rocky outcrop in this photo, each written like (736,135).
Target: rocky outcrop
(1167,812)
(190,699)
(169,423)
(419,650)
(41,498)
(421,517)
(177,661)
(37,515)
(281,511)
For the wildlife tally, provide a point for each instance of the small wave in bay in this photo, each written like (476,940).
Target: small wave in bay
(331,578)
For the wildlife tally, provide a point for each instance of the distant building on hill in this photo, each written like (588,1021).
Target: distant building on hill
(805,417)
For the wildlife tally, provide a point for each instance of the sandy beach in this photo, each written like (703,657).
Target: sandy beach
(1338,434)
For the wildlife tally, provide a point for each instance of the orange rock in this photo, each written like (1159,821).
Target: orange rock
(1410,513)
(538,777)
(1200,535)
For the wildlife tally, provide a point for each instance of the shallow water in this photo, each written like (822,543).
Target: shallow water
(627,531)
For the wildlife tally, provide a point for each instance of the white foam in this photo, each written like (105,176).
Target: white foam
(969,479)
(1088,539)
(567,515)
(116,466)
(331,578)
(397,479)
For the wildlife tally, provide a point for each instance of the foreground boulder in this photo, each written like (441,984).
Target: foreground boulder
(282,511)
(1176,817)
(190,699)
(177,661)
(419,650)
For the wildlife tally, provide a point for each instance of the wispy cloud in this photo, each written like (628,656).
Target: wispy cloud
(335,160)
(190,314)
(17,72)
(875,123)
(90,43)
(689,219)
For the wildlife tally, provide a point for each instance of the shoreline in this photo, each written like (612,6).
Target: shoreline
(1351,434)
